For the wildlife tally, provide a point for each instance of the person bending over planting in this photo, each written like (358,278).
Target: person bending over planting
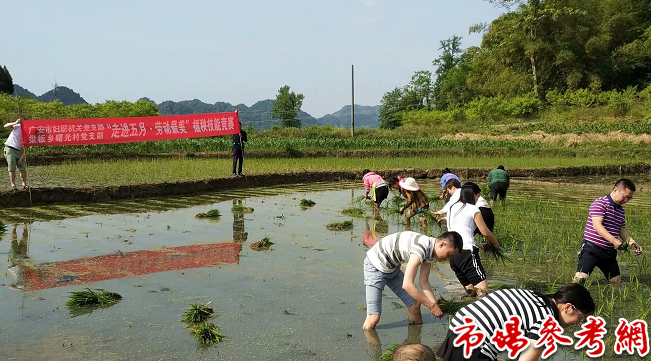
(382,267)
(417,201)
(465,217)
(605,224)
(374,184)
(567,306)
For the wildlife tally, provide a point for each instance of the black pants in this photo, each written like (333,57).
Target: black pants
(489,219)
(498,188)
(238,154)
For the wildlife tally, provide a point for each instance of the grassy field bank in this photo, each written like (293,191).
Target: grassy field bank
(131,172)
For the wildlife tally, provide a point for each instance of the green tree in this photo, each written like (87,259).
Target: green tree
(286,107)
(448,60)
(390,113)
(418,94)
(6,82)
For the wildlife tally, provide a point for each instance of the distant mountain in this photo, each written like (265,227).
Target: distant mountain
(365,116)
(66,95)
(257,115)
(19,91)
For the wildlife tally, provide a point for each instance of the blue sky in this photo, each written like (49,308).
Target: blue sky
(237,51)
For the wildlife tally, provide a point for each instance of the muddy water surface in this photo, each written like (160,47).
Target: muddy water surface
(302,300)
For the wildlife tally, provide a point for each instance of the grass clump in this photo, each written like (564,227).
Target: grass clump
(82,302)
(213,213)
(353,212)
(197,314)
(450,307)
(240,209)
(307,202)
(207,334)
(340,226)
(261,245)
(3,227)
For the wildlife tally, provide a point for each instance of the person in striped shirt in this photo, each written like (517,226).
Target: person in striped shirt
(569,306)
(382,268)
(605,224)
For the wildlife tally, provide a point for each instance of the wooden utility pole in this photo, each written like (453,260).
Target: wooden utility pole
(352,101)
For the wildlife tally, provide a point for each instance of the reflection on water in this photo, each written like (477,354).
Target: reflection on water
(239,235)
(129,264)
(376,228)
(18,258)
(374,347)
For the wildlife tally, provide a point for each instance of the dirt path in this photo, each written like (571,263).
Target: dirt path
(61,195)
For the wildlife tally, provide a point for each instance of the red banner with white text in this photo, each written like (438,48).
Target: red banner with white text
(127,130)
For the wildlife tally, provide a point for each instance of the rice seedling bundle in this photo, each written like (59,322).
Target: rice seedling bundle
(261,245)
(213,213)
(450,307)
(207,334)
(340,226)
(353,212)
(240,209)
(197,314)
(307,202)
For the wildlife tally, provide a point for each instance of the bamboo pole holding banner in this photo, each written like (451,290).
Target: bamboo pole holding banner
(352,101)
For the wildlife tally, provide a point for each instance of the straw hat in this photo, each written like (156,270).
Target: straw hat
(409,184)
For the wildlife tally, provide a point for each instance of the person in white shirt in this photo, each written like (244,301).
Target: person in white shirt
(464,217)
(15,155)
(382,268)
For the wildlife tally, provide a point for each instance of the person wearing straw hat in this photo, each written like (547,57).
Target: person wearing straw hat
(417,201)
(15,155)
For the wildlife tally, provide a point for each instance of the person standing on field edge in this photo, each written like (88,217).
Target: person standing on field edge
(238,150)
(498,183)
(605,224)
(15,155)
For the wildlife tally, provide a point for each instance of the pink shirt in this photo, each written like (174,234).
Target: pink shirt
(370,178)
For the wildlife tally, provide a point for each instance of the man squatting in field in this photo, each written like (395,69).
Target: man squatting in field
(382,267)
(376,185)
(15,154)
(604,225)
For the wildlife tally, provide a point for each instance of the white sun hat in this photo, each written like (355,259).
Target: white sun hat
(409,184)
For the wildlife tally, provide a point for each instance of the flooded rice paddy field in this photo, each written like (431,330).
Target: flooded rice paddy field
(302,300)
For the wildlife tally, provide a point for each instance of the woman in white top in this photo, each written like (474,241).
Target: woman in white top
(464,217)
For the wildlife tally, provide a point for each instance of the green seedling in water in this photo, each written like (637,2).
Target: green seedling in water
(213,213)
(307,202)
(82,302)
(240,209)
(207,334)
(340,226)
(353,212)
(197,314)
(388,354)
(450,307)
(261,245)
